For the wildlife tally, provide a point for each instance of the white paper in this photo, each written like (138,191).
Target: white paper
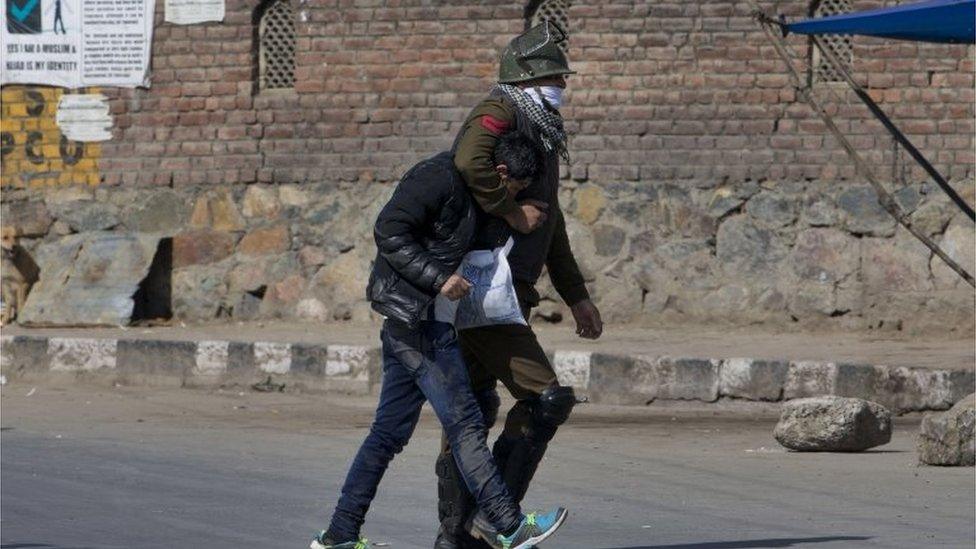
(188,12)
(84,117)
(77,43)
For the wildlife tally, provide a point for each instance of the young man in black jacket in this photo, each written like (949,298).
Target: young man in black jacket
(422,234)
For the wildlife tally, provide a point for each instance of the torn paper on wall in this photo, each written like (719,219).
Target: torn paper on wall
(84,117)
(188,12)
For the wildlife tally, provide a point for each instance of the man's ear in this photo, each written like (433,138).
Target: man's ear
(502,170)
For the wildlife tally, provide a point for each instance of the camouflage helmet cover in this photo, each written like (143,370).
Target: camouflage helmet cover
(534,54)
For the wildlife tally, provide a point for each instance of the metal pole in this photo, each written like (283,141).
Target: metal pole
(890,126)
(884,198)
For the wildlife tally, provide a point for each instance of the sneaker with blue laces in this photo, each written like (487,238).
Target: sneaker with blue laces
(322,541)
(534,528)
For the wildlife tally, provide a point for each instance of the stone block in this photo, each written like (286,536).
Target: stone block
(608,239)
(266,240)
(282,295)
(216,210)
(89,279)
(899,264)
(612,380)
(772,209)
(212,358)
(341,284)
(272,357)
(312,309)
(947,438)
(864,214)
(961,383)
(809,378)
(353,361)
(241,358)
(833,424)
(200,247)
(753,379)
(820,213)
(260,201)
(723,201)
(901,389)
(572,368)
(959,242)
(86,215)
(643,379)
(824,255)
(309,359)
(293,195)
(312,256)
(686,379)
(31,219)
(742,247)
(856,380)
(162,212)
(24,355)
(156,358)
(68,354)
(590,203)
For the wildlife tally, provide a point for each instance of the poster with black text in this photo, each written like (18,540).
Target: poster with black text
(77,43)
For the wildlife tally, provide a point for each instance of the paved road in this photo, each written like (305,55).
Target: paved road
(142,468)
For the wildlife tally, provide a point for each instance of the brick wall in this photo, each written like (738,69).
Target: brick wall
(683,123)
(666,91)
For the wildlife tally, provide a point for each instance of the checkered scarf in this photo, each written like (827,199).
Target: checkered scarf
(547,122)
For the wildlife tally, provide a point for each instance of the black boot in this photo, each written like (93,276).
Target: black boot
(455,505)
(529,427)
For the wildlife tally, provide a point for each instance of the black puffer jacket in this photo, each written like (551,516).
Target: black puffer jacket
(421,236)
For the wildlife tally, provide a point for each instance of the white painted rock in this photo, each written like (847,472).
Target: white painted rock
(833,424)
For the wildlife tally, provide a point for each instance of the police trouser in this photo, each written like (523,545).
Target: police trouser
(511,354)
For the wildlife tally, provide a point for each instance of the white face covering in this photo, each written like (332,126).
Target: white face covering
(553,94)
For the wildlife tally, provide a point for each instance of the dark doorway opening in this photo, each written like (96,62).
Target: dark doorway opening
(153,301)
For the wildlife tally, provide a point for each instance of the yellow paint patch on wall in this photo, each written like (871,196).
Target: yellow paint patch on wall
(34,151)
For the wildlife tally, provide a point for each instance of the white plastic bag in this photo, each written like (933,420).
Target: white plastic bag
(492,298)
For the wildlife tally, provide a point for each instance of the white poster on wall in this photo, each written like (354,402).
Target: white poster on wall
(188,12)
(77,43)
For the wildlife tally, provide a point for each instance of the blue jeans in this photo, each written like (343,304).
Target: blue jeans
(423,364)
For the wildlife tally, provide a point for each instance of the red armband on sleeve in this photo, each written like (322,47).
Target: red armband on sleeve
(496,126)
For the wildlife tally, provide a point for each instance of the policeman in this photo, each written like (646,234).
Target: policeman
(532,78)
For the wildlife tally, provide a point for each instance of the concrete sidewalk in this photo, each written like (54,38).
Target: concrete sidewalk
(629,365)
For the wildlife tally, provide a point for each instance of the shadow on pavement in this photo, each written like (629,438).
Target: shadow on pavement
(749,543)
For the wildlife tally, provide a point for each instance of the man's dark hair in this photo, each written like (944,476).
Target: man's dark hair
(520,155)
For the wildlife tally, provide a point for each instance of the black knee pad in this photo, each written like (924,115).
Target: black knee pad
(554,405)
(489,402)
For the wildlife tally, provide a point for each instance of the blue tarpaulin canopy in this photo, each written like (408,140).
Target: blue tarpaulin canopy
(951,21)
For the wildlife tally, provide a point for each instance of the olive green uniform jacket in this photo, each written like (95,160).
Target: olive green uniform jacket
(547,246)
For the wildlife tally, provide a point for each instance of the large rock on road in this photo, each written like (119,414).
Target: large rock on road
(947,438)
(833,424)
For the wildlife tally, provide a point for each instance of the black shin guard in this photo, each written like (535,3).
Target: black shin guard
(454,503)
(530,426)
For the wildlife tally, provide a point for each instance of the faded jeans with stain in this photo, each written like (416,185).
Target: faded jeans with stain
(423,364)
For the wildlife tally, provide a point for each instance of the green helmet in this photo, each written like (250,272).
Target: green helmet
(534,54)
